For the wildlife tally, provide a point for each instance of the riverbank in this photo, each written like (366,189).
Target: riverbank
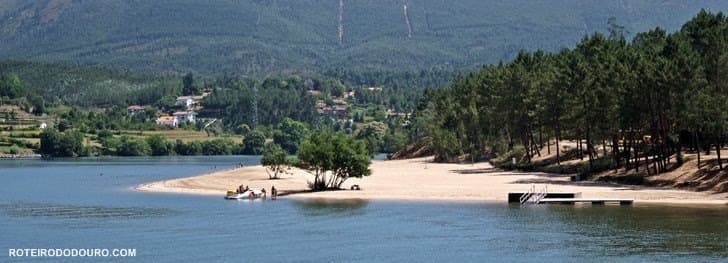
(20,156)
(420,179)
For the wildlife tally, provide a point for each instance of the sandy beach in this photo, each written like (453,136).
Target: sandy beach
(420,179)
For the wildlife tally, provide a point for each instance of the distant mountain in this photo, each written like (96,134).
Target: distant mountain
(263,36)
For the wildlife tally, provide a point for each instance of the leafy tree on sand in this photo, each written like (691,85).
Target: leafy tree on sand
(333,158)
(274,160)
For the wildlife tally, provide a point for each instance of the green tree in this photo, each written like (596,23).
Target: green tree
(372,134)
(11,86)
(254,142)
(58,144)
(289,134)
(159,146)
(333,158)
(188,85)
(129,146)
(217,147)
(274,160)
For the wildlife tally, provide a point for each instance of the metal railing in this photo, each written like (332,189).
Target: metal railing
(538,196)
(527,195)
(534,195)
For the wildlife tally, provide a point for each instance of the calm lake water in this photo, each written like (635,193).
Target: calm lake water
(87,203)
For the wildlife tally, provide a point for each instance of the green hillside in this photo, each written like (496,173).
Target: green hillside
(262,36)
(87,85)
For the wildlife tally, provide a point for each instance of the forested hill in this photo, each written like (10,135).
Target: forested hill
(263,36)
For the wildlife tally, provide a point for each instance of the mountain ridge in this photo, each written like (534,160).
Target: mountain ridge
(260,37)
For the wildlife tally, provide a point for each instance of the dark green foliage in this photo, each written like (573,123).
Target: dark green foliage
(191,148)
(11,86)
(372,134)
(159,145)
(129,146)
(277,98)
(217,147)
(289,134)
(639,102)
(254,142)
(62,144)
(188,85)
(88,85)
(333,157)
(394,141)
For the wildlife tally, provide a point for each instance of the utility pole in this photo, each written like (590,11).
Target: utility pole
(255,106)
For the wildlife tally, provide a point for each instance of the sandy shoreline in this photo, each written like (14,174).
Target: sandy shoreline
(419,179)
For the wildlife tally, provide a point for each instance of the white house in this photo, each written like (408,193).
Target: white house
(43,125)
(185,101)
(185,116)
(169,121)
(133,109)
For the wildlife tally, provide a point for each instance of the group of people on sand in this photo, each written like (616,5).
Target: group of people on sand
(273,191)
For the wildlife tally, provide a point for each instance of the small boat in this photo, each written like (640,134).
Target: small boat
(250,194)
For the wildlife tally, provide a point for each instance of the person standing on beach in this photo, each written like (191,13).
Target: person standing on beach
(273,193)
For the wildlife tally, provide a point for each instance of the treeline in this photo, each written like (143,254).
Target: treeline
(398,90)
(88,86)
(243,101)
(13,91)
(640,101)
(74,144)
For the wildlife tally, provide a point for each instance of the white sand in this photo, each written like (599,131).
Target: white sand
(420,179)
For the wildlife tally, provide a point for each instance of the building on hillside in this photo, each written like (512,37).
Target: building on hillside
(320,104)
(392,113)
(169,121)
(336,111)
(42,125)
(185,116)
(185,101)
(374,89)
(313,92)
(349,94)
(133,109)
(339,101)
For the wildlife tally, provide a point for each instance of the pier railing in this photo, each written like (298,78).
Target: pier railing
(527,195)
(534,195)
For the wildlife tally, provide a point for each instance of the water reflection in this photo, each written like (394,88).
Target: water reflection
(623,231)
(330,207)
(80,212)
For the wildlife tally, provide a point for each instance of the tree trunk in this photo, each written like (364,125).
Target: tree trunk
(717,150)
(540,139)
(696,139)
(636,157)
(589,146)
(647,164)
(579,148)
(615,152)
(627,153)
(548,146)
(558,135)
